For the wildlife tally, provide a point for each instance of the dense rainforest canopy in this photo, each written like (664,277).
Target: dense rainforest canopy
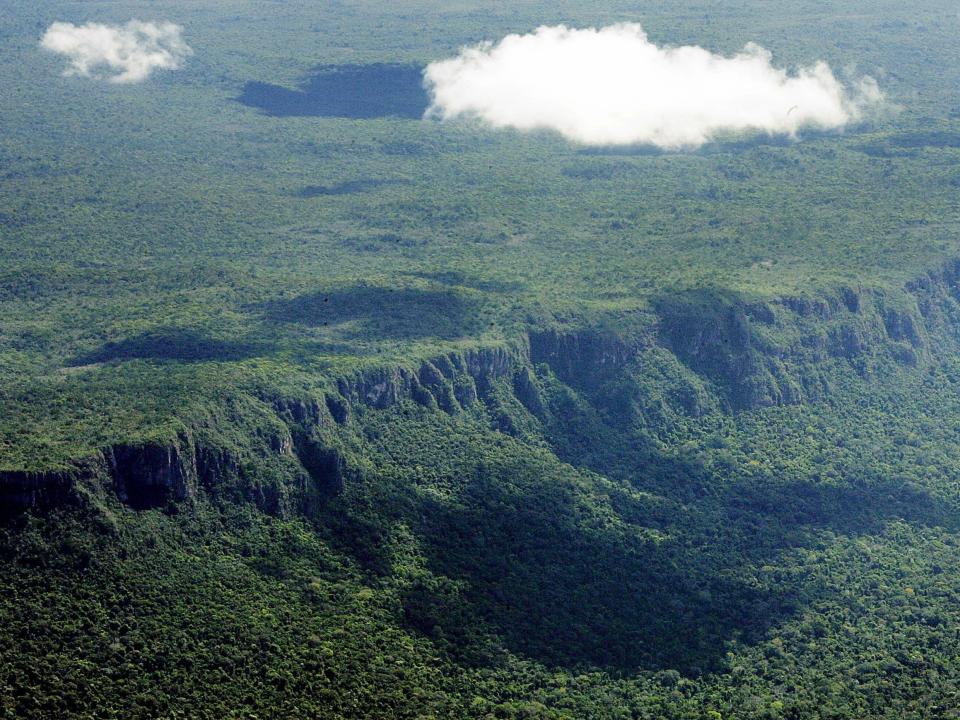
(314,407)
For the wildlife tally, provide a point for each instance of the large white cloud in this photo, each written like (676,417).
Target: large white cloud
(128,53)
(613,86)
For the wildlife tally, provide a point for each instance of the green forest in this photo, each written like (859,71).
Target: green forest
(312,406)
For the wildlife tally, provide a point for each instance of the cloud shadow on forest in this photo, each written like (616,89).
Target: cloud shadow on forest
(378,312)
(359,92)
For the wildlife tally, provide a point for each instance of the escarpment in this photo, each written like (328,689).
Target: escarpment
(153,474)
(41,490)
(700,352)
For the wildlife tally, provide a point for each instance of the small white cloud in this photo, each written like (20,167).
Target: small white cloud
(128,53)
(613,86)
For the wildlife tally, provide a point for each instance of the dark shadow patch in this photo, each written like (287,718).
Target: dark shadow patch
(41,491)
(625,151)
(862,507)
(359,92)
(909,144)
(380,312)
(566,596)
(534,571)
(559,592)
(349,187)
(926,140)
(180,344)
(324,464)
(152,475)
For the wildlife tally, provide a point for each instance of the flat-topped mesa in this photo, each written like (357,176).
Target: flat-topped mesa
(713,350)
(160,473)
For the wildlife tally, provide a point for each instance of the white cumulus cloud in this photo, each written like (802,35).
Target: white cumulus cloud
(127,53)
(614,86)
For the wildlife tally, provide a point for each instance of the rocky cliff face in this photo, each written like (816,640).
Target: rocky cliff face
(20,490)
(153,474)
(450,382)
(715,337)
(582,358)
(770,353)
(288,463)
(748,354)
